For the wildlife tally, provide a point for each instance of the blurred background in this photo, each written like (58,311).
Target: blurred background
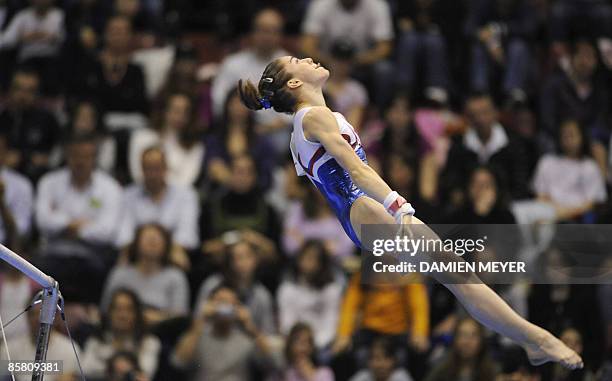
(185,244)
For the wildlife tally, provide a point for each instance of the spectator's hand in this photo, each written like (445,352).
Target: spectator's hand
(341,344)
(305,367)
(419,343)
(245,318)
(485,202)
(88,37)
(406,24)
(485,34)
(37,36)
(13,158)
(75,227)
(39,159)
(213,247)
(208,310)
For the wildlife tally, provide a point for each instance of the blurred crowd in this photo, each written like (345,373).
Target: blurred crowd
(187,248)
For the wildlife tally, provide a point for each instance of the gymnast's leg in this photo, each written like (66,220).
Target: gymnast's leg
(481,302)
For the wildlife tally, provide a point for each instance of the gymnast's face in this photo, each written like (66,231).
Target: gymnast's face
(304,71)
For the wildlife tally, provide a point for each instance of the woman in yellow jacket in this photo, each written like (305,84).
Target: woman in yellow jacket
(398,309)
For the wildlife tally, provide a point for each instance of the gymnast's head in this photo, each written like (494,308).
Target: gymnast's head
(285,83)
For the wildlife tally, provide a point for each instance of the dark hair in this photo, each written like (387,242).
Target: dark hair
(82,138)
(222,129)
(499,181)
(129,356)
(292,337)
(139,326)
(483,367)
(585,149)
(271,88)
(133,250)
(73,109)
(224,285)
(26,70)
(480,95)
(325,274)
(229,271)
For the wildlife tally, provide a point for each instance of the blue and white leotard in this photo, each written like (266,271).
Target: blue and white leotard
(324,172)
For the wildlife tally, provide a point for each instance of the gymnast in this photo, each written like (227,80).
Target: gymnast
(326,149)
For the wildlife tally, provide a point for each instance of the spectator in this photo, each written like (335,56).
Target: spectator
(79,201)
(580,94)
(122,329)
(500,31)
(240,272)
(401,174)
(77,212)
(162,288)
(486,202)
(124,366)
(223,325)
(182,77)
(366,24)
(60,349)
(16,202)
(556,303)
(579,19)
(347,96)
(486,142)
(300,356)
(265,46)
(173,206)
(468,357)
(395,132)
(32,131)
(38,33)
(382,363)
(84,28)
(309,218)
(421,41)
(112,80)
(382,308)
(235,136)
(241,206)
(570,180)
(180,139)
(311,293)
(86,119)
(516,366)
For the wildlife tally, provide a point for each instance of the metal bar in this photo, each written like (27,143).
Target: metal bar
(50,297)
(25,267)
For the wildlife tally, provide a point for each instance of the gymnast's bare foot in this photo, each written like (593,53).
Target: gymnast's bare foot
(549,348)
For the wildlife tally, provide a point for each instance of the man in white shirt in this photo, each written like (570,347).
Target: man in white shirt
(173,206)
(79,202)
(16,201)
(249,63)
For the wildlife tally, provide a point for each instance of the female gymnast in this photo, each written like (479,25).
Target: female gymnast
(326,148)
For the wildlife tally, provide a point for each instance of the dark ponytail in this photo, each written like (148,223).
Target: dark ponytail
(271,92)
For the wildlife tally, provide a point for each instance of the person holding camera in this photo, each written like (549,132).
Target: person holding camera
(222,341)
(123,366)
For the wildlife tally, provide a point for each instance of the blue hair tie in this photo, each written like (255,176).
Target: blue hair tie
(265,103)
